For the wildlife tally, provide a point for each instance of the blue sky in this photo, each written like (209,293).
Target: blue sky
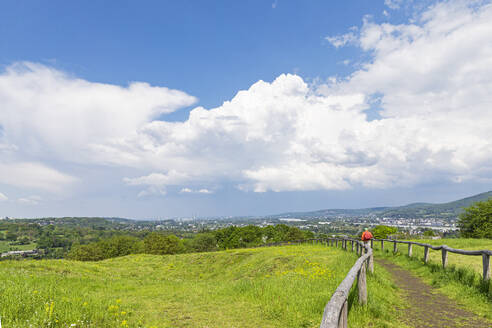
(364,103)
(211,50)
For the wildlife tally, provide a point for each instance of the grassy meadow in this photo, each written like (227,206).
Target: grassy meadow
(457,260)
(462,278)
(265,287)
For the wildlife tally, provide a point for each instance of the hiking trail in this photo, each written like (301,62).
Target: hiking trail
(429,307)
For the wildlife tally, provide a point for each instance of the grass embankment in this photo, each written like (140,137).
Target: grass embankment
(462,279)
(266,287)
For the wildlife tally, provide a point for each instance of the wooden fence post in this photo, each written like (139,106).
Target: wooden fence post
(352,245)
(426,254)
(444,258)
(395,248)
(372,243)
(336,243)
(342,319)
(486,266)
(361,285)
(371,264)
(382,245)
(409,250)
(357,248)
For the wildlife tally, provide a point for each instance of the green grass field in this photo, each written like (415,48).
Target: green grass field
(266,287)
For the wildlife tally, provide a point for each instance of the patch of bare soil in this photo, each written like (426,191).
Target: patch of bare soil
(429,307)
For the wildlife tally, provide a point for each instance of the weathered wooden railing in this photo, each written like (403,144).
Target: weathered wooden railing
(336,310)
(444,253)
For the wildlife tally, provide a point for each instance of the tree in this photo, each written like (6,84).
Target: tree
(90,252)
(250,235)
(429,233)
(476,220)
(120,246)
(294,234)
(382,231)
(157,243)
(203,242)
(11,236)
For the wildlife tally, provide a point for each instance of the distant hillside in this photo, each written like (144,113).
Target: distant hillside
(416,210)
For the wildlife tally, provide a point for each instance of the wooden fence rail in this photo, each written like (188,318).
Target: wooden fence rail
(444,253)
(336,310)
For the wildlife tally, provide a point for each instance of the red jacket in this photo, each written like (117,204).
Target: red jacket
(366,235)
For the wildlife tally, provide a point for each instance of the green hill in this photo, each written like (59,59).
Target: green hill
(445,210)
(265,287)
(448,210)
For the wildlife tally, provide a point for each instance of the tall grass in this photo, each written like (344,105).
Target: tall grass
(268,287)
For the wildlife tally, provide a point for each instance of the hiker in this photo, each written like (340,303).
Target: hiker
(366,237)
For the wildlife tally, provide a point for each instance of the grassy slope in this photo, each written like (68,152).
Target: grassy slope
(268,287)
(461,281)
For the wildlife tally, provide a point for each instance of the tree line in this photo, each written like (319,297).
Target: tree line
(161,243)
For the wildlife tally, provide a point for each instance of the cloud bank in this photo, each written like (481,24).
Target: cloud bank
(427,84)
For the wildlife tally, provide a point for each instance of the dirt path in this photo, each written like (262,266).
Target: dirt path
(429,307)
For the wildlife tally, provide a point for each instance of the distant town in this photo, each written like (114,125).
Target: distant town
(54,237)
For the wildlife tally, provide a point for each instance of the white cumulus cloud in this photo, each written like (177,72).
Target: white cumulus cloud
(34,176)
(195,191)
(431,78)
(49,114)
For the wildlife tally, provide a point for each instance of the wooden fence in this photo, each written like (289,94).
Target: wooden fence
(336,310)
(444,253)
